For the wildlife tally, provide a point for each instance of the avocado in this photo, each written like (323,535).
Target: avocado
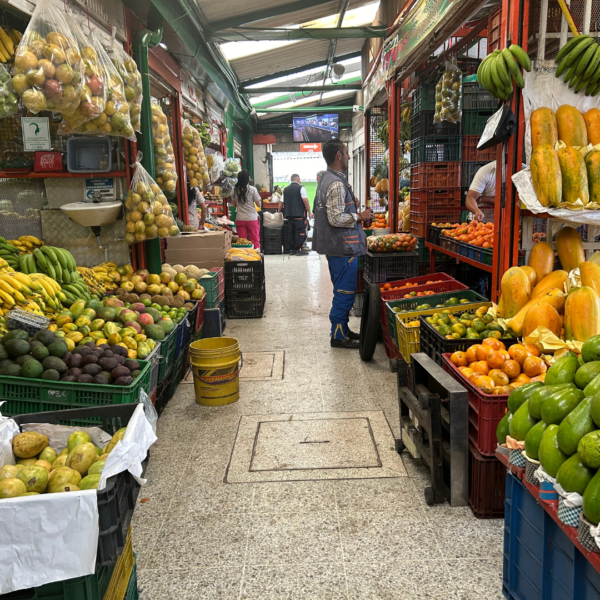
(11,371)
(21,360)
(6,362)
(533,438)
(34,343)
(155,314)
(3,352)
(17,347)
(573,475)
(51,375)
(58,348)
(521,423)
(550,455)
(558,405)
(590,351)
(45,336)
(91,369)
(40,352)
(157,333)
(574,426)
(540,394)
(586,374)
(52,362)
(502,429)
(32,369)
(16,334)
(591,500)
(132,365)
(563,370)
(520,395)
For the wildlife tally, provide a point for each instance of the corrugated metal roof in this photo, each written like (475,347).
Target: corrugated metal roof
(222,9)
(337,101)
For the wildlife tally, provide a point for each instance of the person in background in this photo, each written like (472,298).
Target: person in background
(482,189)
(243,198)
(195,201)
(339,235)
(295,210)
(319,175)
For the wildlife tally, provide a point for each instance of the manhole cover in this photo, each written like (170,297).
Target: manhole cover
(304,446)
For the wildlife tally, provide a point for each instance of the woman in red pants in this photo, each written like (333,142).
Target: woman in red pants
(243,197)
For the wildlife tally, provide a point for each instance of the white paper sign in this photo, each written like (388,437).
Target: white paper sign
(36,133)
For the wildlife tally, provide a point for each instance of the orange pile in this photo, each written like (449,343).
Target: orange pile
(379,221)
(475,233)
(387,287)
(494,370)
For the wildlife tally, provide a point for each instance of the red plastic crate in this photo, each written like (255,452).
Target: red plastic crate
(153,396)
(360,282)
(221,278)
(200,315)
(435,175)
(485,411)
(486,485)
(435,199)
(446,285)
(470,152)
(422,279)
(420,221)
(391,351)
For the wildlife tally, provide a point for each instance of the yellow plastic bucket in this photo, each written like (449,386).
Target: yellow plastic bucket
(216,367)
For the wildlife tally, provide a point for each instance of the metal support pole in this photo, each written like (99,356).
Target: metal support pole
(394,139)
(367,203)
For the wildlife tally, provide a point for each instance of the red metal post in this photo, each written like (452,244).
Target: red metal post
(182,199)
(367,159)
(394,139)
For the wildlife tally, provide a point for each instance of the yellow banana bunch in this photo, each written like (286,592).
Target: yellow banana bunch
(8,42)
(93,281)
(27,243)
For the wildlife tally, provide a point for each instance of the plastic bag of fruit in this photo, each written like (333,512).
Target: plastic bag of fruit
(148,214)
(132,79)
(9,103)
(164,157)
(193,153)
(448,95)
(393,242)
(48,70)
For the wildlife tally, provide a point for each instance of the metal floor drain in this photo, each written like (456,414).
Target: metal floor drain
(305,446)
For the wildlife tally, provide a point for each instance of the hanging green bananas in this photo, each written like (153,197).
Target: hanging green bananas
(499,68)
(579,61)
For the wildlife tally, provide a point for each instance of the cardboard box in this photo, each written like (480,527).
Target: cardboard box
(204,250)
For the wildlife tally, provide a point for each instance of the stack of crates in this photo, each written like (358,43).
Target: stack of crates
(245,289)
(435,171)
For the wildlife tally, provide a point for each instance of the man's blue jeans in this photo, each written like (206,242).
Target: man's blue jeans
(344,272)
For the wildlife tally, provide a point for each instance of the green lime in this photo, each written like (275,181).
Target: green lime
(484,334)
(495,327)
(424,306)
(445,319)
(444,329)
(451,302)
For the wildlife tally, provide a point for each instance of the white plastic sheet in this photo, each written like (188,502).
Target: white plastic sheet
(571,499)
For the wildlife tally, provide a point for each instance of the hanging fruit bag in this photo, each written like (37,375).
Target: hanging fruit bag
(193,152)
(9,103)
(448,95)
(132,79)
(148,214)
(164,157)
(48,71)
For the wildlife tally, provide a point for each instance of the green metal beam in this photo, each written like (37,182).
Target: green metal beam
(342,8)
(305,109)
(244,34)
(299,69)
(265,13)
(301,88)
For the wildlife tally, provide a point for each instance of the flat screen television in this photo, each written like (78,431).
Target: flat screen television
(315,128)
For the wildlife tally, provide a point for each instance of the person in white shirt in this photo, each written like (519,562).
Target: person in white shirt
(482,189)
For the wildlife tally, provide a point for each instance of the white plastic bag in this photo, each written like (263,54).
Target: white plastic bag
(132,79)
(48,71)
(193,152)
(164,157)
(448,95)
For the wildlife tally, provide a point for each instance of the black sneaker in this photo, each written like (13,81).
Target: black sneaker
(346,343)
(352,335)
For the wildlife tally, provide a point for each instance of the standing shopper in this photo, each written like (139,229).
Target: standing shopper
(339,235)
(195,201)
(295,209)
(243,198)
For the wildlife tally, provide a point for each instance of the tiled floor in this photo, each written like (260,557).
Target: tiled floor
(199,538)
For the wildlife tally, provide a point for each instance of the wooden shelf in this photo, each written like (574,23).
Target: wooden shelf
(464,259)
(62,174)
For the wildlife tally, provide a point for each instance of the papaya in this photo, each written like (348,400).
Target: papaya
(503,428)
(570,248)
(592,125)
(590,275)
(541,260)
(574,176)
(582,314)
(592,165)
(546,175)
(595,409)
(516,289)
(521,423)
(520,395)
(556,279)
(549,454)
(559,405)
(531,274)
(587,373)
(591,500)
(574,426)
(533,439)
(542,315)
(574,476)
(589,449)
(591,349)
(593,387)
(544,129)
(571,126)
(563,370)
(554,297)
(540,394)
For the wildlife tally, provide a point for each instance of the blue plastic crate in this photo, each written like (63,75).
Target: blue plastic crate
(183,335)
(540,561)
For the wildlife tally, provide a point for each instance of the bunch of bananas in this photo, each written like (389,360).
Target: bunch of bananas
(26,244)
(499,68)
(107,272)
(58,263)
(406,112)
(383,133)
(579,60)
(32,295)
(3,327)
(96,284)
(9,40)
(9,253)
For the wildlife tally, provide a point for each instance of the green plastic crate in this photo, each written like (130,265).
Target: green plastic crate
(410,304)
(488,256)
(210,283)
(132,589)
(24,396)
(474,121)
(167,354)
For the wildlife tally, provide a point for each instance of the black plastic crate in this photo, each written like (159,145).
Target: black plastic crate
(272,247)
(474,121)
(244,276)
(116,501)
(163,393)
(477,98)
(288,236)
(380,268)
(245,305)
(421,124)
(434,148)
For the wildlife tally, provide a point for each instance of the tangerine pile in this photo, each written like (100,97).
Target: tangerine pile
(474,233)
(495,370)
(386,287)
(379,221)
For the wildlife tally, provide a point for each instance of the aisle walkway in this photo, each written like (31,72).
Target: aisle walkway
(197,537)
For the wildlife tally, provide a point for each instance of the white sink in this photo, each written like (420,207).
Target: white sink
(93,215)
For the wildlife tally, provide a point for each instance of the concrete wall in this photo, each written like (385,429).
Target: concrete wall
(261,165)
